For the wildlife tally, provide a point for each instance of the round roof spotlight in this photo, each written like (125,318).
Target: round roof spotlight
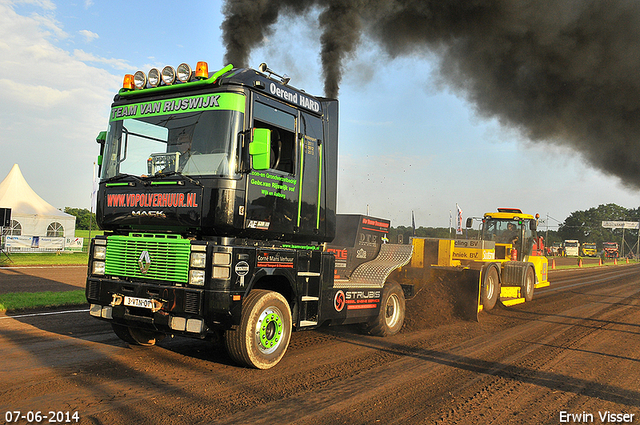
(154,77)
(139,80)
(184,72)
(168,75)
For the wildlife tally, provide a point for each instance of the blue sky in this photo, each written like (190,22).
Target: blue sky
(406,142)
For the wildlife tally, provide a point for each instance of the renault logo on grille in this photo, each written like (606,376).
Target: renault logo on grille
(144,261)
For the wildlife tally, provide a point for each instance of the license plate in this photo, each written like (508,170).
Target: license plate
(138,302)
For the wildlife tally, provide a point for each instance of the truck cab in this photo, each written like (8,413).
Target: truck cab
(217,197)
(589,249)
(571,248)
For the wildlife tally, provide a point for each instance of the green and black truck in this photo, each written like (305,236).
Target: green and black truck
(217,197)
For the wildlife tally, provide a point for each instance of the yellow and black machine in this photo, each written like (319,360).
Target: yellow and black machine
(505,264)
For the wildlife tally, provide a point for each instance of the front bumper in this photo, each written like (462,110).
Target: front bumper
(172,309)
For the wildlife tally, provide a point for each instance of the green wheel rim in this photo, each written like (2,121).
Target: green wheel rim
(269,330)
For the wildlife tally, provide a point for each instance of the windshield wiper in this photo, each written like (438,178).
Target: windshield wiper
(124,175)
(172,173)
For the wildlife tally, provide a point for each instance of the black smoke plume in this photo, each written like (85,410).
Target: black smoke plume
(561,71)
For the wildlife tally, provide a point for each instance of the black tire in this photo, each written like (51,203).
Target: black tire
(490,289)
(146,337)
(264,332)
(528,284)
(136,336)
(390,319)
(122,332)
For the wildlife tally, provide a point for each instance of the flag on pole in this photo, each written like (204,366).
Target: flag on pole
(413,224)
(459,224)
(94,190)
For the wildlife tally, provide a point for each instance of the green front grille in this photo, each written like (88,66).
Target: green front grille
(168,255)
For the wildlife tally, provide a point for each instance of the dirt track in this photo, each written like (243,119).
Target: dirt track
(574,349)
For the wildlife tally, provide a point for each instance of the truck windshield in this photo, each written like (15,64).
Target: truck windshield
(501,231)
(191,143)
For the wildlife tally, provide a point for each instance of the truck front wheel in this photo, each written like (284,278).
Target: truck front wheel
(390,319)
(527,285)
(137,336)
(490,289)
(122,332)
(264,332)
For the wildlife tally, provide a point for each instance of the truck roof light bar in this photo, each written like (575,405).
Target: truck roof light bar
(166,80)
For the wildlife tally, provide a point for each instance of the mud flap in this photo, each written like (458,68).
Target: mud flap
(468,297)
(464,286)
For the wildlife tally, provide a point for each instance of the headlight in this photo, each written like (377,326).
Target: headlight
(139,80)
(154,77)
(97,267)
(184,72)
(99,252)
(221,272)
(196,277)
(221,258)
(168,75)
(198,259)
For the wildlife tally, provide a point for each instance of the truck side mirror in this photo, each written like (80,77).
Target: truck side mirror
(532,225)
(469,222)
(260,149)
(101,139)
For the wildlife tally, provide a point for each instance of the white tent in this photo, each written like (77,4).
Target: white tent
(30,214)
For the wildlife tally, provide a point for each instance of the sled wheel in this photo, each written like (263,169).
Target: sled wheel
(490,289)
(390,319)
(528,284)
(264,332)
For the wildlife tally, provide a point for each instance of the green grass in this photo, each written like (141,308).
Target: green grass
(44,259)
(25,300)
(85,233)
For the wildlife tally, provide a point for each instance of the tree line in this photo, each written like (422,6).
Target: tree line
(84,218)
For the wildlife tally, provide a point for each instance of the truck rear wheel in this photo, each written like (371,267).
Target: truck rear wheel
(390,319)
(528,284)
(264,332)
(490,289)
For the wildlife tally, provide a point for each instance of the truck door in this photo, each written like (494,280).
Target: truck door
(272,194)
(310,148)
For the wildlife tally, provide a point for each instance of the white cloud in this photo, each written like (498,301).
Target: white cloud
(88,35)
(83,56)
